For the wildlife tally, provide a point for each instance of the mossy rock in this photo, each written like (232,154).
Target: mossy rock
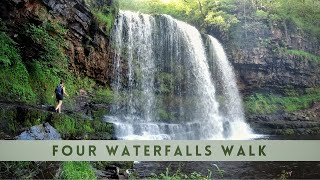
(75,127)
(285,132)
(99,114)
(17,118)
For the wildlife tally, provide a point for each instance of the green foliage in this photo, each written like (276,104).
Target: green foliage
(71,127)
(52,45)
(304,14)
(166,81)
(104,95)
(14,77)
(8,52)
(220,19)
(56,28)
(44,72)
(85,83)
(66,126)
(285,174)
(104,12)
(261,104)
(52,65)
(14,84)
(270,103)
(165,116)
(261,14)
(44,81)
(224,14)
(202,13)
(179,175)
(77,170)
(300,54)
(105,19)
(288,132)
(99,114)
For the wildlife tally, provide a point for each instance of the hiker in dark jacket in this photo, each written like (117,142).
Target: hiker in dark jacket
(60,91)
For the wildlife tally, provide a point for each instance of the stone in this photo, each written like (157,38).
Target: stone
(40,132)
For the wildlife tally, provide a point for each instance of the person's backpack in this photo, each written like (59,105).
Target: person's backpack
(58,90)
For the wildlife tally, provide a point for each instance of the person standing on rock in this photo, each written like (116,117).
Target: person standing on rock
(60,91)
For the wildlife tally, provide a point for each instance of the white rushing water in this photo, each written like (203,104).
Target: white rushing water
(233,103)
(164,85)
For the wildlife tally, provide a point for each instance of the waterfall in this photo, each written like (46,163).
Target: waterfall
(234,115)
(164,85)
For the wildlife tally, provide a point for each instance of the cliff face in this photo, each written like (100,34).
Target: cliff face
(87,43)
(274,57)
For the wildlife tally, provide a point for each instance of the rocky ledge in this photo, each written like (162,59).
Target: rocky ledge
(30,120)
(304,122)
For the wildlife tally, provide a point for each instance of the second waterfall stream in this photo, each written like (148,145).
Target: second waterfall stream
(171,82)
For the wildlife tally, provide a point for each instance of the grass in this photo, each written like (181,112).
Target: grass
(75,127)
(77,170)
(105,19)
(271,103)
(104,95)
(179,175)
(299,54)
(304,54)
(70,126)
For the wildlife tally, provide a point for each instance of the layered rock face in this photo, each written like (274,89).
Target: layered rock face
(260,57)
(87,43)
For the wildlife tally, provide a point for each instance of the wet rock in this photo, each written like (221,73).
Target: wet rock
(288,125)
(40,132)
(110,172)
(262,66)
(84,32)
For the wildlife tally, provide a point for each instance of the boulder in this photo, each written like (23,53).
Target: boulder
(40,132)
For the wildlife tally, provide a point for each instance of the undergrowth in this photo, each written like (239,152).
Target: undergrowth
(14,77)
(77,170)
(272,103)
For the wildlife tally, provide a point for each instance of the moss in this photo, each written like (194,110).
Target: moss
(99,114)
(315,130)
(300,54)
(165,115)
(285,132)
(288,132)
(14,119)
(71,127)
(104,95)
(105,19)
(104,12)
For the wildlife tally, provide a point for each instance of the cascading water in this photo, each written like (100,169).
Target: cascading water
(233,116)
(164,86)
